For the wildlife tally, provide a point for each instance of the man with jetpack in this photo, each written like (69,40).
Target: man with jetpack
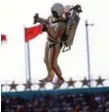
(56,27)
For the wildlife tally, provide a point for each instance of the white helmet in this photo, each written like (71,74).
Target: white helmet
(67,8)
(57,10)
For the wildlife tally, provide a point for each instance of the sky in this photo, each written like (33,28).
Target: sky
(17,14)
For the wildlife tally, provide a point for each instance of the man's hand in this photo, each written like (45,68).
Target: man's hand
(65,37)
(44,27)
(36,16)
(69,42)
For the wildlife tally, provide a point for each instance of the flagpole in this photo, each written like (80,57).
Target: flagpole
(32,32)
(27,60)
(88,51)
(29,63)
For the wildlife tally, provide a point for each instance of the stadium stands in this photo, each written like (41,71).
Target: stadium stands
(69,100)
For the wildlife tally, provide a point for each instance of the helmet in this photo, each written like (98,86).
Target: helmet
(57,10)
(67,8)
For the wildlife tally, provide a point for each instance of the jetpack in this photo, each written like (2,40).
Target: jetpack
(71,29)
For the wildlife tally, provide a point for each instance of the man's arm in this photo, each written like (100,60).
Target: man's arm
(42,20)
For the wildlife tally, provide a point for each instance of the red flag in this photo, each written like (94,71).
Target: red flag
(3,38)
(32,32)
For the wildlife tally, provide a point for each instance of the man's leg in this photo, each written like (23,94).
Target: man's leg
(51,73)
(54,53)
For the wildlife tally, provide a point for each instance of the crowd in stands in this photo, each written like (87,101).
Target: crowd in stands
(90,102)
